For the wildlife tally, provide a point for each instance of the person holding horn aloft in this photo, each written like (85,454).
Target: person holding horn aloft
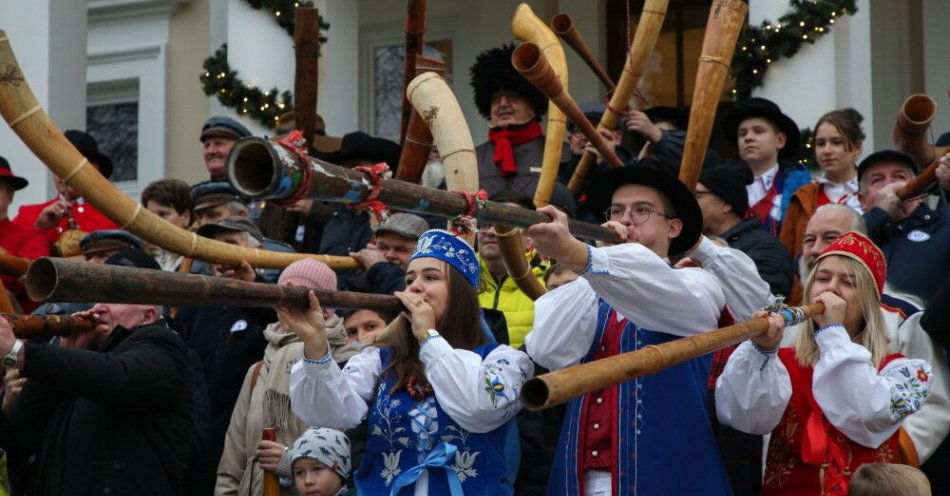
(652,434)
(836,399)
(440,396)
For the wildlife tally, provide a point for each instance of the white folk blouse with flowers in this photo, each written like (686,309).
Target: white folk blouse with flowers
(865,405)
(478,394)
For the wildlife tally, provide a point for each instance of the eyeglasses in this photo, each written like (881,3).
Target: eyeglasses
(638,214)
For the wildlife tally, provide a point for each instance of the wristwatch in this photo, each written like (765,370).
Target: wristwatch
(11,359)
(431,333)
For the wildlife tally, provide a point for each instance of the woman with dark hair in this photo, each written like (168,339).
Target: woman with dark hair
(838,138)
(438,392)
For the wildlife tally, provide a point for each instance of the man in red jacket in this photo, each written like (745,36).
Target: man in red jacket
(17,240)
(53,217)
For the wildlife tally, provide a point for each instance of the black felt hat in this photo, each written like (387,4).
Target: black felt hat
(6,174)
(674,115)
(728,181)
(492,71)
(766,109)
(602,189)
(131,257)
(89,148)
(360,146)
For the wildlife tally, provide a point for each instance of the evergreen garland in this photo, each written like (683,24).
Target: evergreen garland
(222,81)
(760,46)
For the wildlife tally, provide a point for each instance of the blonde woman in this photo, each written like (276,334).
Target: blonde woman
(835,400)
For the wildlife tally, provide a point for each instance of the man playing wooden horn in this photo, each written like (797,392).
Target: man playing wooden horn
(511,158)
(69,210)
(652,434)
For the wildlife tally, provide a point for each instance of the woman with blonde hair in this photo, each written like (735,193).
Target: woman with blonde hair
(438,396)
(835,400)
(838,137)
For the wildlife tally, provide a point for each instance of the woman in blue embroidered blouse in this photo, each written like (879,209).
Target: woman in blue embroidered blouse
(440,397)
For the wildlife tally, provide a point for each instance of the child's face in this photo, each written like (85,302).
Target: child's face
(313,478)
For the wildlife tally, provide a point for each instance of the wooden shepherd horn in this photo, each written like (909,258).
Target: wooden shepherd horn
(418,140)
(57,279)
(46,326)
(435,102)
(556,387)
(563,26)
(531,63)
(726,18)
(648,30)
(26,117)
(259,168)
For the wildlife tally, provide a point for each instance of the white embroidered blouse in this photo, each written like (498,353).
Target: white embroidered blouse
(865,405)
(640,285)
(322,394)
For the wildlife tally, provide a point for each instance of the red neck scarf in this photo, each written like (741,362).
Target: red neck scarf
(505,140)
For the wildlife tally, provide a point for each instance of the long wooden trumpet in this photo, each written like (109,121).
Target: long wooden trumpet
(920,183)
(531,63)
(526,26)
(43,326)
(259,168)
(511,246)
(726,18)
(26,117)
(54,279)
(12,265)
(648,30)
(435,102)
(559,386)
(563,26)
(910,130)
(417,142)
(415,33)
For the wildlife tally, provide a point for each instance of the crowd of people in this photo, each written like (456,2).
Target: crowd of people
(175,400)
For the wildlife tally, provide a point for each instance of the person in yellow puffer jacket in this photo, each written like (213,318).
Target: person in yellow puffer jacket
(498,291)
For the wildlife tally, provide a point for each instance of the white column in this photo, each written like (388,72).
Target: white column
(261,52)
(937,61)
(49,40)
(339,69)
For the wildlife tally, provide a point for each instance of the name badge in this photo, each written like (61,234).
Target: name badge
(239,326)
(918,236)
(534,170)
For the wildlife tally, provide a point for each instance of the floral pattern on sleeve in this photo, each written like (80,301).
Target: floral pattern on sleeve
(910,387)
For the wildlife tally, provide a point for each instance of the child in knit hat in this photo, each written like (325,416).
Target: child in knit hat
(320,461)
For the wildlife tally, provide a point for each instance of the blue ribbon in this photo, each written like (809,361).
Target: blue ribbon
(439,457)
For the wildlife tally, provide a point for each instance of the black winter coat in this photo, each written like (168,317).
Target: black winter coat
(770,257)
(114,421)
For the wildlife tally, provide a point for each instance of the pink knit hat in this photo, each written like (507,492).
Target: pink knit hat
(308,273)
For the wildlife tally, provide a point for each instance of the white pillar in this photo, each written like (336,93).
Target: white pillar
(339,69)
(261,52)
(49,40)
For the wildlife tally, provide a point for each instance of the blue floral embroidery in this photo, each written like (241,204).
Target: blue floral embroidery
(909,388)
(385,407)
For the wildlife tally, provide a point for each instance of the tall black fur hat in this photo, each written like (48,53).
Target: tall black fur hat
(492,71)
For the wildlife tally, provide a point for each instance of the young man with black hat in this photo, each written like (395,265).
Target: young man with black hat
(721,194)
(16,239)
(768,141)
(650,435)
(110,410)
(69,210)
(915,238)
(218,135)
(511,158)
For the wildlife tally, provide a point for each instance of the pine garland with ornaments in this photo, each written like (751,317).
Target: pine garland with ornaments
(760,46)
(223,82)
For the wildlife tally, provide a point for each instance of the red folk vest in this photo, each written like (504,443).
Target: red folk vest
(809,456)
